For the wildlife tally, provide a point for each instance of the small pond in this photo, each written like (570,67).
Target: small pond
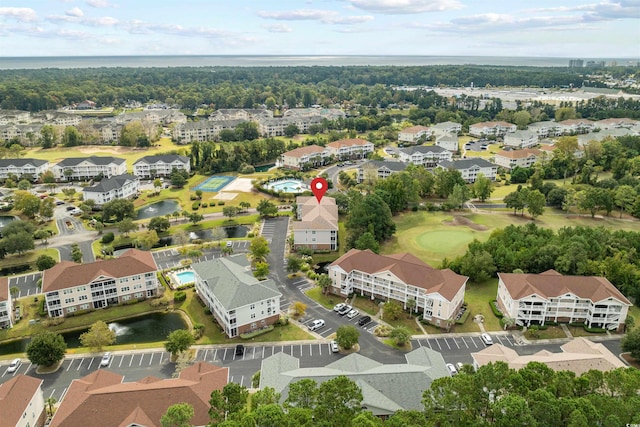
(232,232)
(6,219)
(160,208)
(148,328)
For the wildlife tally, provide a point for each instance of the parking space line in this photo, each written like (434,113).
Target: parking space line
(90,363)
(30,365)
(507,338)
(438,342)
(141,357)
(63,393)
(446,341)
(225,354)
(131,361)
(81,360)
(456,343)
(465,343)
(52,391)
(215,354)
(161,356)
(69,367)
(121,359)
(254,353)
(474,342)
(205,354)
(151,359)
(310,350)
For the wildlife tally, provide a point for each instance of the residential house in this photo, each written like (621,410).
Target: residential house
(573,126)
(317,224)
(485,129)
(612,133)
(162,165)
(425,155)
(85,105)
(239,302)
(545,129)
(414,134)
(79,168)
(71,287)
(615,123)
(22,402)
(438,294)
(552,297)
(53,117)
(103,398)
(108,131)
(203,130)
(380,169)
(21,167)
(241,114)
(521,158)
(124,186)
(386,388)
(6,304)
(26,134)
(306,156)
(578,356)
(345,149)
(448,141)
(276,126)
(447,127)
(521,139)
(8,117)
(471,168)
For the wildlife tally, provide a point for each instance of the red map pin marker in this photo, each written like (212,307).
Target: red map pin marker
(319,186)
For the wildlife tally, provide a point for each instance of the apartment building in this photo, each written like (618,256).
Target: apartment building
(438,294)
(22,402)
(615,123)
(448,141)
(87,168)
(425,155)
(345,149)
(70,287)
(203,130)
(317,224)
(573,126)
(307,156)
(6,304)
(491,129)
(471,168)
(414,134)
(162,165)
(520,158)
(239,302)
(27,134)
(545,129)
(552,297)
(21,167)
(379,169)
(118,187)
(521,139)
(447,127)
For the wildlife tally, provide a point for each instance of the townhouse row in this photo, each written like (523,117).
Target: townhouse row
(314,155)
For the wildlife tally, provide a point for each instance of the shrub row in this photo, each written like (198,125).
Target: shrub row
(494,308)
(180,296)
(254,334)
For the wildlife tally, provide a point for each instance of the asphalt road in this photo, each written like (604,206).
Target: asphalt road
(26,283)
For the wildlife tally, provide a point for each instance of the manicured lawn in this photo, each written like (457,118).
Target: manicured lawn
(578,331)
(549,333)
(29,257)
(327,301)
(477,297)
(365,304)
(406,320)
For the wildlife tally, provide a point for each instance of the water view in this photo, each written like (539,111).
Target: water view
(160,208)
(233,232)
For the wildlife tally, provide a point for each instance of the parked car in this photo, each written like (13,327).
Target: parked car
(353,313)
(334,346)
(459,366)
(338,306)
(15,364)
(316,324)
(344,310)
(229,244)
(364,320)
(239,350)
(452,368)
(486,338)
(106,359)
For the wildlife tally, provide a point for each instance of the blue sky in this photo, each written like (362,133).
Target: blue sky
(558,28)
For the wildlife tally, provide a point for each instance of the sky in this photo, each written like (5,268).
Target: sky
(533,28)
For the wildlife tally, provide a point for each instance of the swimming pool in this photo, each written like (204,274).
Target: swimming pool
(186,277)
(288,186)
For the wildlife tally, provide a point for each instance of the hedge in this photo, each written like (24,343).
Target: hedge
(495,310)
(464,317)
(258,332)
(180,296)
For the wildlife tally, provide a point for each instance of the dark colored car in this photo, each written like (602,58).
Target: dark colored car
(239,350)
(364,320)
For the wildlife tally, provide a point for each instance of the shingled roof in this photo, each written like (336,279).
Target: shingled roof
(164,158)
(96,160)
(109,184)
(4,288)
(407,268)
(15,396)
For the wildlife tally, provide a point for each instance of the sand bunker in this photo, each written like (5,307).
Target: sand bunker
(461,220)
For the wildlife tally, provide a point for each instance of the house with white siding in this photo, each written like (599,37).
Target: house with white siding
(414,134)
(379,169)
(521,158)
(21,167)
(448,141)
(424,155)
(124,186)
(447,127)
(316,227)
(22,402)
(6,304)
(345,149)
(484,129)
(86,168)
(573,126)
(545,129)
(307,156)
(521,139)
(162,165)
(471,168)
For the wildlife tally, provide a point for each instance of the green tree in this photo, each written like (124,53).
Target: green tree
(291,130)
(19,243)
(178,415)
(367,241)
(47,207)
(131,133)
(324,281)
(126,225)
(159,223)
(478,265)
(371,214)
(244,206)
(265,396)
(366,419)
(259,249)
(446,180)
(565,113)
(227,403)
(195,218)
(71,137)
(303,394)
(266,208)
(178,341)
(45,262)
(46,348)
(76,253)
(293,264)
(261,270)
(230,211)
(482,188)
(631,343)
(49,136)
(521,119)
(625,197)
(459,196)
(347,336)
(218,234)
(24,185)
(157,184)
(26,203)
(400,336)
(391,309)
(99,335)
(178,178)
(535,203)
(339,401)
(404,418)
(516,200)
(120,208)
(268,415)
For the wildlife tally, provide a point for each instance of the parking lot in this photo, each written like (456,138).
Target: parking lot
(478,146)
(171,258)
(26,283)
(463,343)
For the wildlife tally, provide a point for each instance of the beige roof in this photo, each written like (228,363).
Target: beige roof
(317,216)
(347,142)
(303,151)
(4,288)
(571,122)
(579,355)
(415,129)
(103,396)
(15,396)
(519,154)
(492,124)
(67,274)
(552,284)
(546,147)
(621,120)
(407,268)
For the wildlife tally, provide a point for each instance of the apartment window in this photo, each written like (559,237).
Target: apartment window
(82,298)
(84,306)
(137,286)
(253,315)
(126,298)
(252,306)
(71,309)
(125,289)
(69,300)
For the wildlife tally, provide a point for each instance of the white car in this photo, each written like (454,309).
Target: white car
(106,359)
(353,313)
(459,365)
(486,338)
(15,364)
(316,324)
(452,368)
(338,306)
(334,346)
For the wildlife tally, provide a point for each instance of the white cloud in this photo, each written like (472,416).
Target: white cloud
(279,28)
(76,11)
(21,14)
(100,3)
(402,7)
(324,16)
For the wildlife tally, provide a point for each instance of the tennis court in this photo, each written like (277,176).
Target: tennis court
(215,183)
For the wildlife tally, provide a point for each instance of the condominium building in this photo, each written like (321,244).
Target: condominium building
(162,165)
(491,129)
(239,302)
(447,127)
(552,297)
(520,158)
(303,157)
(21,167)
(414,134)
(79,168)
(545,129)
(438,294)
(70,287)
(425,155)
(576,126)
(448,141)
(317,224)
(344,149)
(471,168)
(379,169)
(521,139)
(22,402)
(118,187)
(6,304)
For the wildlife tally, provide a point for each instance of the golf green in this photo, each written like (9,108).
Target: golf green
(445,242)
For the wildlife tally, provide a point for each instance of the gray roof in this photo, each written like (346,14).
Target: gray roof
(447,137)
(96,160)
(386,388)
(165,158)
(108,184)
(466,164)
(391,165)
(21,162)
(231,281)
(424,149)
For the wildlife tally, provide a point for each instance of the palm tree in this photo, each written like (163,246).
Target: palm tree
(50,402)
(14,291)
(401,336)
